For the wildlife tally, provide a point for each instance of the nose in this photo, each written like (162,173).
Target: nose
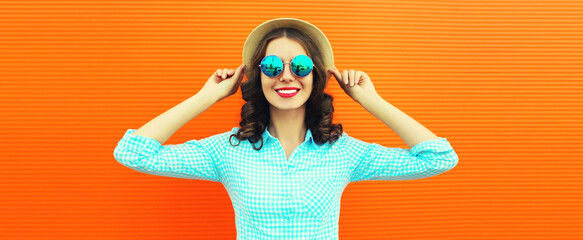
(286,74)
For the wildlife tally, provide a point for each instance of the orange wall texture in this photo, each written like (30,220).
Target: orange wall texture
(501,80)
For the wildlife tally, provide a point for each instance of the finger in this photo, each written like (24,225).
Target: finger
(239,73)
(336,74)
(351,75)
(345,76)
(238,76)
(219,72)
(357,77)
(365,76)
(224,75)
(231,72)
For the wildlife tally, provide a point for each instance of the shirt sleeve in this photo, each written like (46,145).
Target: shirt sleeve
(426,159)
(195,159)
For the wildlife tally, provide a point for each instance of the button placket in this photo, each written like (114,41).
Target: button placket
(286,199)
(289,205)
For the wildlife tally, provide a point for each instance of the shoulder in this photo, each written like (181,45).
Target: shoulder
(349,144)
(217,139)
(347,141)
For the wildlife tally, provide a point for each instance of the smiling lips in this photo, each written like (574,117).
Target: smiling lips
(287,92)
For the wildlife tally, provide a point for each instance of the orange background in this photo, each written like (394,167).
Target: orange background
(501,80)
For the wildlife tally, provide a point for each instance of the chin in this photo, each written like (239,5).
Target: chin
(287,104)
(287,107)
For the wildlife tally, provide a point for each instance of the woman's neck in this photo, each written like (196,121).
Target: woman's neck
(288,125)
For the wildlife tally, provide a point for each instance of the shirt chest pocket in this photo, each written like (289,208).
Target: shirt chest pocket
(318,195)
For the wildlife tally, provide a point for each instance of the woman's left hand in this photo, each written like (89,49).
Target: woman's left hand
(355,83)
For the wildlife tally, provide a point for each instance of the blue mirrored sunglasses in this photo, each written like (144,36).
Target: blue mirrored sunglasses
(300,66)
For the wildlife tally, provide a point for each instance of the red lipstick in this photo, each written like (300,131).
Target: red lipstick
(287,92)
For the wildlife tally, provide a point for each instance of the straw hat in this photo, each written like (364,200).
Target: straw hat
(316,34)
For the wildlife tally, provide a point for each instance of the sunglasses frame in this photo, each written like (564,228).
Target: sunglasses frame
(289,64)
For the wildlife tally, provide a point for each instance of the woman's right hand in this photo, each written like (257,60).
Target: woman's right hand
(224,82)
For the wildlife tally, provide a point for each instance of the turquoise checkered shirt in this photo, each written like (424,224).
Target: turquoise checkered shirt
(275,198)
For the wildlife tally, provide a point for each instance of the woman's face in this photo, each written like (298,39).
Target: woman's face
(286,49)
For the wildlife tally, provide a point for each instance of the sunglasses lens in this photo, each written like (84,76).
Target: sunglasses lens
(271,66)
(302,65)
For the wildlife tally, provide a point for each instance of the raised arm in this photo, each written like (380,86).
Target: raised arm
(358,85)
(142,149)
(223,83)
(429,155)
(371,161)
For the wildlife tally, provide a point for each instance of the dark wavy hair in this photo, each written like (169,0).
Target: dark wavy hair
(255,112)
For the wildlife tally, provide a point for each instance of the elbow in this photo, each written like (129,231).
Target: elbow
(448,161)
(438,155)
(444,162)
(120,155)
(126,158)
(452,162)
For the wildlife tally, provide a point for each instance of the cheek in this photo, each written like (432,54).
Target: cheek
(309,85)
(266,86)
(264,83)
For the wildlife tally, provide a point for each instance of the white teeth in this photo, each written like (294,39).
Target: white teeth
(287,91)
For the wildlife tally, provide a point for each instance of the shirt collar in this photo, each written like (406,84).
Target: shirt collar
(267,136)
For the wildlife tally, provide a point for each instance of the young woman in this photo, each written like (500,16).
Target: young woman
(286,165)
